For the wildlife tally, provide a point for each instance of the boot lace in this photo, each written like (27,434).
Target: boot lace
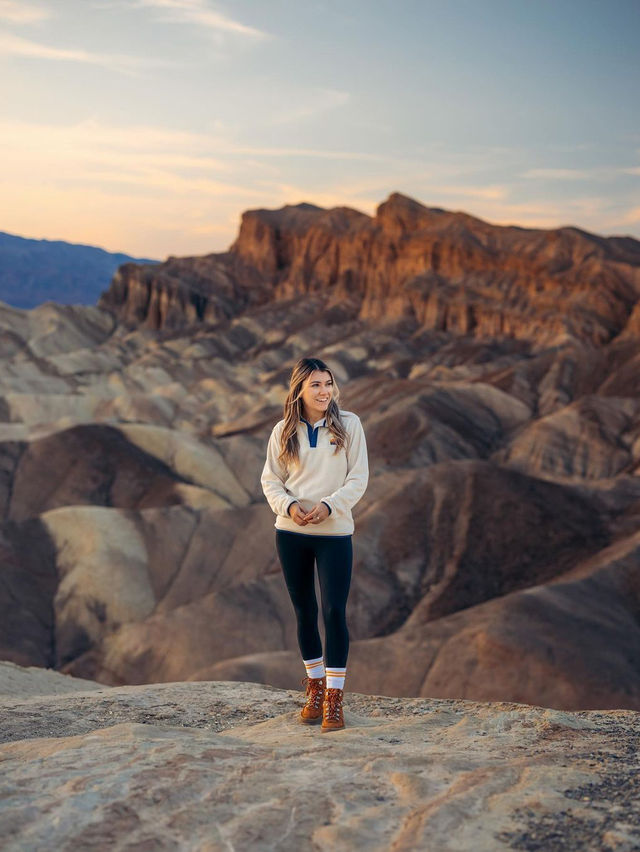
(333,702)
(315,691)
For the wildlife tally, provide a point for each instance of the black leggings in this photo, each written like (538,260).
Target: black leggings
(334,556)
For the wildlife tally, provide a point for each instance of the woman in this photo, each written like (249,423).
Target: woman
(315,472)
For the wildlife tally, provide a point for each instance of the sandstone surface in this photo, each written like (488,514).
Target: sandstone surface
(214,766)
(443,270)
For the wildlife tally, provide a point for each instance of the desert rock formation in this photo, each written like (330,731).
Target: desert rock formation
(496,555)
(442,270)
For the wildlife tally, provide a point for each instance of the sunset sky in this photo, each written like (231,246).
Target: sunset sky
(148,126)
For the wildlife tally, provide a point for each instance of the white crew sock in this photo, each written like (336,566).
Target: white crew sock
(335,677)
(315,668)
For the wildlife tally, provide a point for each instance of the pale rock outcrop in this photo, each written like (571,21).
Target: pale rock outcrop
(218,766)
(190,458)
(102,570)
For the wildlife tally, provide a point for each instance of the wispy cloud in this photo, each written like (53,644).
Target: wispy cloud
(592,214)
(631,217)
(315,103)
(568,149)
(596,173)
(277,151)
(559,174)
(493,192)
(13,12)
(174,147)
(153,190)
(146,190)
(13,45)
(200,13)
(133,148)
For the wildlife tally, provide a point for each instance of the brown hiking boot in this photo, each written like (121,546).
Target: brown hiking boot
(312,710)
(332,716)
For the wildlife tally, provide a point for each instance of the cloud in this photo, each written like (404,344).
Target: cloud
(152,190)
(631,216)
(593,214)
(569,148)
(13,45)
(598,173)
(146,190)
(176,147)
(94,145)
(558,174)
(316,153)
(315,103)
(198,12)
(22,13)
(494,192)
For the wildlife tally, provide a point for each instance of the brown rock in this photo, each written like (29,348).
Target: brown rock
(446,271)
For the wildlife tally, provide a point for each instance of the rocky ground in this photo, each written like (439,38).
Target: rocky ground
(210,766)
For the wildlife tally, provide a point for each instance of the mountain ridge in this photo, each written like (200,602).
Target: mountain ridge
(33,271)
(437,269)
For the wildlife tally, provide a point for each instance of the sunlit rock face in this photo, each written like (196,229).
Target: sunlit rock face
(496,373)
(444,270)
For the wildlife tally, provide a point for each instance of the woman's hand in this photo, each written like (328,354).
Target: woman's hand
(318,514)
(297,514)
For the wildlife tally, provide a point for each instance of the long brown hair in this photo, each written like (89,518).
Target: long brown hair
(289,448)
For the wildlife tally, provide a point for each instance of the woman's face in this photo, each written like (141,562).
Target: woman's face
(317,392)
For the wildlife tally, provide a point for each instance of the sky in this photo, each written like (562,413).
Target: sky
(149,126)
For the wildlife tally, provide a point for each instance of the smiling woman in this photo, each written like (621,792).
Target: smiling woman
(316,470)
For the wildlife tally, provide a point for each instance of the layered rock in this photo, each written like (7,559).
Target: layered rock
(443,270)
(496,534)
(183,290)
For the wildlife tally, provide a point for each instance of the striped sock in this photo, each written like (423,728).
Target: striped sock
(335,677)
(315,668)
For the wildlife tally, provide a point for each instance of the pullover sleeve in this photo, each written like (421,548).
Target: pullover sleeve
(274,476)
(355,483)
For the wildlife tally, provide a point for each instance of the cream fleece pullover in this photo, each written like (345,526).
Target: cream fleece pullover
(338,480)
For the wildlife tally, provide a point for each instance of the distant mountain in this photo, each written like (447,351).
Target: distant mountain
(36,271)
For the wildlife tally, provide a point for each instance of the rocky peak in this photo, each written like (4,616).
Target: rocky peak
(268,238)
(400,215)
(262,232)
(440,269)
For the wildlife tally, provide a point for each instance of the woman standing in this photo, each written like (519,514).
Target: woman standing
(316,470)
